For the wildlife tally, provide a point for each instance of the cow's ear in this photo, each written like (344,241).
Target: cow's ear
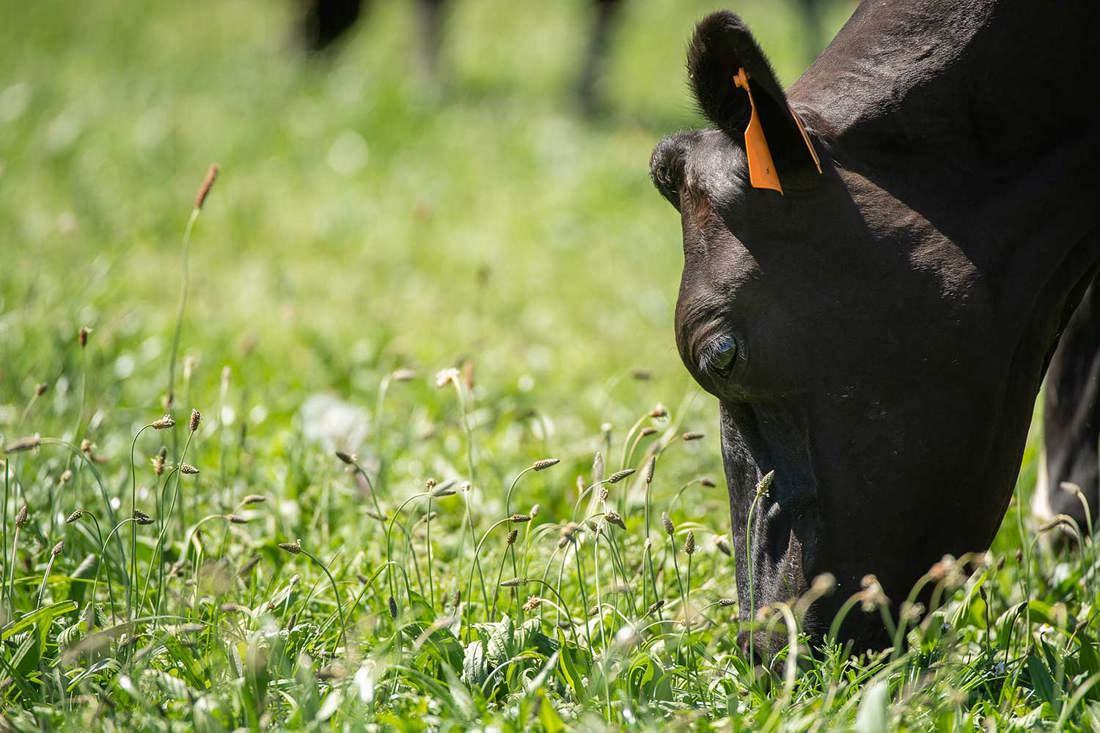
(723,57)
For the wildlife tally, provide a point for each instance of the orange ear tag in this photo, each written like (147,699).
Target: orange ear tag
(762,172)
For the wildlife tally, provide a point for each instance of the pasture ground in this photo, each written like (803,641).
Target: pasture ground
(452,284)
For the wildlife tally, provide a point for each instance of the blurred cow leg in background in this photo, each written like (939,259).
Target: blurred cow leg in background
(1071,418)
(324,21)
(814,27)
(430,26)
(595,59)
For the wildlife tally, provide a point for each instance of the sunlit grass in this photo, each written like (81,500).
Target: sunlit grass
(402,303)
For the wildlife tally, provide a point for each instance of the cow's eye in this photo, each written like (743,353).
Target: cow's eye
(720,356)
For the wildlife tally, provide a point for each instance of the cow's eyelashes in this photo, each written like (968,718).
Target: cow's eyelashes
(720,357)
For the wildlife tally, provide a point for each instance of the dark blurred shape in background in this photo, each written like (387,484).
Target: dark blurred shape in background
(324,22)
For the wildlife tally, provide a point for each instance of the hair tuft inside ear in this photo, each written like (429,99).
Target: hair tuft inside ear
(722,44)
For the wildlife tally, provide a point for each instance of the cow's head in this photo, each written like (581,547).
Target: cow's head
(851,344)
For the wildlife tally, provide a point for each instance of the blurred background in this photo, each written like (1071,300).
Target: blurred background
(369,214)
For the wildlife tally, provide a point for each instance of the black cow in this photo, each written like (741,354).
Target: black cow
(877,333)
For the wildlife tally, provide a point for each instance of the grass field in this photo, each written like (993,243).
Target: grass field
(448,286)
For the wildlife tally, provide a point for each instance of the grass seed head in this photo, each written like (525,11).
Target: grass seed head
(511,538)
(823,584)
(513,583)
(520,518)
(74,517)
(567,532)
(403,375)
(535,510)
(447,376)
(545,463)
(708,482)
(689,544)
(40,389)
(29,442)
(238,519)
(294,548)
(911,612)
(650,467)
(532,603)
(655,607)
(391,602)
(872,595)
(693,435)
(604,493)
(647,431)
(207,184)
(58,549)
(253,499)
(158,461)
(765,483)
(727,602)
(164,423)
(620,475)
(82,336)
(66,476)
(670,528)
(446,489)
(723,545)
(142,518)
(347,458)
(658,411)
(21,516)
(614,518)
(945,571)
(188,469)
(196,417)
(86,447)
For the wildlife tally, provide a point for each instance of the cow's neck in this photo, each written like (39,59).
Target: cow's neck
(981,115)
(944,77)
